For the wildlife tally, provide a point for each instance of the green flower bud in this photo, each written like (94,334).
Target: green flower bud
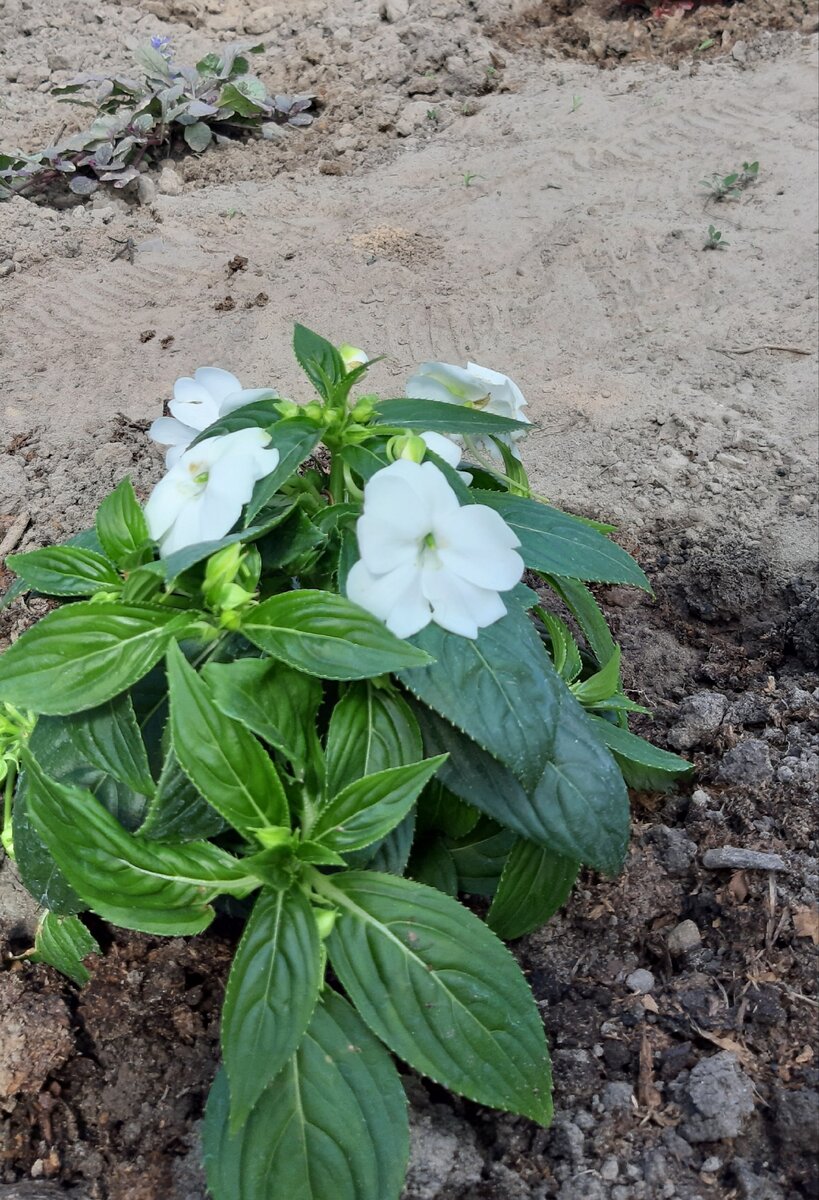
(408,446)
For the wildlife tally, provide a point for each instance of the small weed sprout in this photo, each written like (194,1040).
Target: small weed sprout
(729,187)
(139,119)
(433,115)
(469,177)
(577,102)
(715,240)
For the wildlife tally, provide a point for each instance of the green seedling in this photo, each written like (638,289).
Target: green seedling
(715,240)
(577,102)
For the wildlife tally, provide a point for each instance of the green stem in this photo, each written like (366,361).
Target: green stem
(337,480)
(6,836)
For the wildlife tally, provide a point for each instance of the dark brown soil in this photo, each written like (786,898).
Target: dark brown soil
(607,32)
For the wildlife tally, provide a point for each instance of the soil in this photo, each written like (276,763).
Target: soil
(673,390)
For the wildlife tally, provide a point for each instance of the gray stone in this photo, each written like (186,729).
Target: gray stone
(739,53)
(675,851)
(683,937)
(584,1186)
(6,268)
(146,190)
(795,1118)
(700,716)
(711,1165)
(394,10)
(567,1140)
(640,981)
(747,709)
(733,858)
(755,1187)
(262,20)
(610,1169)
(718,1096)
(618,1097)
(443,1156)
(169,182)
(39,1191)
(748,763)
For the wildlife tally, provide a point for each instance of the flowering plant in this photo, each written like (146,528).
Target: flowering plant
(310,684)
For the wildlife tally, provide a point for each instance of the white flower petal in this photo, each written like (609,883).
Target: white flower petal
(193,405)
(217,383)
(167,431)
(189,528)
(444,447)
(395,598)
(394,496)
(245,396)
(516,400)
(477,544)
(173,455)
(383,546)
(460,606)
(445,382)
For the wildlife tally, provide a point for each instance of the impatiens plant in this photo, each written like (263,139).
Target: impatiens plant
(167,106)
(327,681)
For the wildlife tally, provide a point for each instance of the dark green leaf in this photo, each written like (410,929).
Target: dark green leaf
(644,766)
(441,812)
(333,1125)
(319,359)
(127,880)
(261,414)
(580,805)
(293,540)
(39,872)
(367,809)
(438,987)
(443,418)
(371,728)
(222,759)
(565,651)
(323,634)
(231,96)
(121,525)
(553,541)
(65,571)
(83,654)
(392,853)
(365,460)
(272,990)
(588,614)
(500,688)
(108,737)
(276,702)
(535,883)
(480,857)
(177,812)
(63,943)
(431,863)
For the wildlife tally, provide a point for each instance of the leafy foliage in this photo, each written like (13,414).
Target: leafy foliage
(223,725)
(165,107)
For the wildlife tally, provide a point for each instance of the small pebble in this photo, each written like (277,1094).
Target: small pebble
(712,1165)
(640,981)
(683,937)
(733,858)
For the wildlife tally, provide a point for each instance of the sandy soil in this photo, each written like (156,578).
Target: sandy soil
(673,389)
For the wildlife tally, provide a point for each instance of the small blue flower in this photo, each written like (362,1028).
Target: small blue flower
(161,43)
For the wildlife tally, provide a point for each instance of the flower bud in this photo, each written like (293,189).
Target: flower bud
(325,920)
(313,412)
(363,410)
(352,357)
(407,446)
(274,836)
(287,408)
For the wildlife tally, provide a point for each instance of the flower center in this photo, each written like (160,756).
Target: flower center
(199,473)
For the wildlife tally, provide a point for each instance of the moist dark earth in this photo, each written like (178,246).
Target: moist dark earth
(680,998)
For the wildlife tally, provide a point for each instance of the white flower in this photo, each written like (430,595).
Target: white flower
(426,558)
(475,387)
(200,499)
(446,449)
(197,403)
(352,357)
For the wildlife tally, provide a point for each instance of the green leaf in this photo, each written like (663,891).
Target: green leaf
(602,685)
(580,805)
(65,571)
(500,688)
(334,1123)
(108,737)
(440,990)
(242,99)
(121,525)
(177,812)
(535,883)
(291,543)
(480,857)
(431,863)
(371,728)
(439,417)
(555,542)
(82,654)
(39,872)
(367,809)
(222,759)
(276,702)
(645,767)
(295,439)
(392,853)
(441,812)
(272,990)
(323,634)
(63,943)
(180,561)
(565,651)
(319,359)
(261,414)
(364,460)
(125,879)
(588,614)
(198,136)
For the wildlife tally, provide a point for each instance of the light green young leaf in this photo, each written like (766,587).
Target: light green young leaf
(121,525)
(583,606)
(82,654)
(604,684)
(222,759)
(272,990)
(535,883)
(367,809)
(125,879)
(319,359)
(326,635)
(333,1125)
(440,990)
(565,652)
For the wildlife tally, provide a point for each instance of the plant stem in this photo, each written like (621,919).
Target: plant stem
(6,835)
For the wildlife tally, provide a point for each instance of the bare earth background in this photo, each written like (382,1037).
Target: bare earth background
(673,390)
